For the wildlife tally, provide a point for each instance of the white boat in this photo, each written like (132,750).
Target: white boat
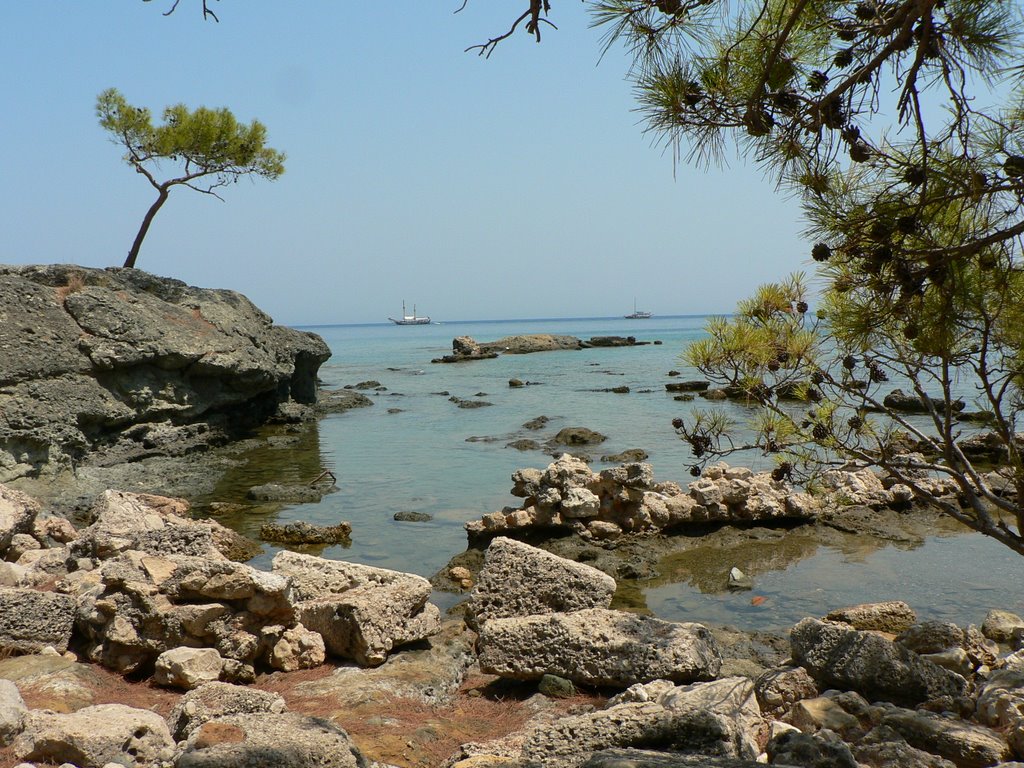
(410,319)
(638,314)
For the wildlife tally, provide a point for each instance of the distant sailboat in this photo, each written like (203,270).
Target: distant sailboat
(410,319)
(637,314)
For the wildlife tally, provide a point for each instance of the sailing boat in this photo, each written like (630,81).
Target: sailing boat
(410,319)
(637,314)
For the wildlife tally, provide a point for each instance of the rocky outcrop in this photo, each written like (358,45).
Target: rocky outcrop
(626,499)
(115,365)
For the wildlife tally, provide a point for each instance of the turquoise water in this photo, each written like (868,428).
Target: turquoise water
(420,458)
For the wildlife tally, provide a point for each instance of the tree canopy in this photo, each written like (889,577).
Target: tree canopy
(209,147)
(898,124)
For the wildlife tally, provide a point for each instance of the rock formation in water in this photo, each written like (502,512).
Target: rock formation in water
(104,366)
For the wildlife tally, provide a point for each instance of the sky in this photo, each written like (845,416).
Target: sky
(519,186)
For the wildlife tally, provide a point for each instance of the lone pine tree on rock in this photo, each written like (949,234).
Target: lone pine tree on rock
(209,147)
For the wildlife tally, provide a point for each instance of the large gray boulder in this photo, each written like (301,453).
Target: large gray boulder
(841,657)
(102,366)
(520,580)
(258,740)
(215,700)
(598,647)
(361,612)
(96,736)
(30,620)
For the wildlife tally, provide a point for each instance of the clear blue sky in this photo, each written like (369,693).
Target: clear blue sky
(516,186)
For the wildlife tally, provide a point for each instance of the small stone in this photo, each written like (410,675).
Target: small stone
(556,687)
(739,580)
(406,516)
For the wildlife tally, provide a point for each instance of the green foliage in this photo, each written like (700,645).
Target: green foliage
(210,148)
(900,126)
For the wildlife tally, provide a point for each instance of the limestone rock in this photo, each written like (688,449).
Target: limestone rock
(646,758)
(17,514)
(568,495)
(188,668)
(893,616)
(820,750)
(1000,704)
(862,487)
(520,580)
(1002,626)
(942,640)
(531,342)
(297,648)
(215,700)
(883,747)
(966,744)
(598,647)
(256,740)
(822,713)
(837,656)
(148,604)
(95,736)
(718,718)
(780,688)
(360,611)
(31,620)
(12,712)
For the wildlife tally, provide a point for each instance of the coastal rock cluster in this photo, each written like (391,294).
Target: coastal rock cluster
(110,366)
(466,348)
(568,495)
(146,591)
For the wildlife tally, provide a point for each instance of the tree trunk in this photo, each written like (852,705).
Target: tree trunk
(133,254)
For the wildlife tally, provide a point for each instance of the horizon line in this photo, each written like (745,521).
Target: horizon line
(505,320)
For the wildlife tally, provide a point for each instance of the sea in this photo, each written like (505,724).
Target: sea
(416,450)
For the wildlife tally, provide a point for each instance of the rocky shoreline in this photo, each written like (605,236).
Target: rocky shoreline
(257,658)
(133,633)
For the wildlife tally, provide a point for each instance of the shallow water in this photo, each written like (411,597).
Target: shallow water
(420,458)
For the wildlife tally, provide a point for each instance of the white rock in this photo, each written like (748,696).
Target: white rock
(188,668)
